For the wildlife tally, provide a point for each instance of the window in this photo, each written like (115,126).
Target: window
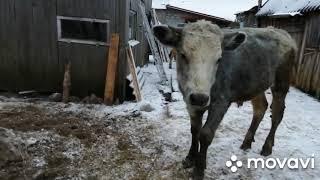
(133,25)
(181,25)
(83,30)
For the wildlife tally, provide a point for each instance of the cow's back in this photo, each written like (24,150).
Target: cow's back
(251,67)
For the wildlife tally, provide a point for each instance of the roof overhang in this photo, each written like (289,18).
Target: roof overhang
(285,15)
(281,15)
(197,13)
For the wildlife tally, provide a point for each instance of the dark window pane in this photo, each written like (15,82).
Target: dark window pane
(84,30)
(132,25)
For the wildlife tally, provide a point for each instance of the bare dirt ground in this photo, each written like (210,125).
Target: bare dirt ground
(42,141)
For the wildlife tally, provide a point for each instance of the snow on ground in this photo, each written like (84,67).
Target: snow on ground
(148,140)
(297,137)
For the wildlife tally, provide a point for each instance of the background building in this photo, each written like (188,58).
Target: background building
(175,16)
(247,18)
(302,20)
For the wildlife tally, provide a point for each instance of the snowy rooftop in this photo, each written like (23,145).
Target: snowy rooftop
(159,4)
(226,10)
(165,4)
(196,13)
(289,7)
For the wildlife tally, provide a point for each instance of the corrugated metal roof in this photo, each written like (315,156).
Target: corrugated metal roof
(289,7)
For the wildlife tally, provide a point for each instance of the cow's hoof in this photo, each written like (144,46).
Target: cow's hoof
(247,143)
(266,151)
(188,163)
(197,174)
(245,146)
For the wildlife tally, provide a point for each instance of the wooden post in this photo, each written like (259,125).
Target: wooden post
(303,45)
(133,72)
(112,61)
(316,75)
(66,83)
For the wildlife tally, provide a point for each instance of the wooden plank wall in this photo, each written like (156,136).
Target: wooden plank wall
(28,48)
(308,76)
(140,50)
(87,64)
(8,46)
(88,61)
(122,17)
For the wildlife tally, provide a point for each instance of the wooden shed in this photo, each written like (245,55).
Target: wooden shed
(302,20)
(38,37)
(247,18)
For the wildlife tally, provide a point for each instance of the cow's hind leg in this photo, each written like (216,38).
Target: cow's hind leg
(279,92)
(196,124)
(260,105)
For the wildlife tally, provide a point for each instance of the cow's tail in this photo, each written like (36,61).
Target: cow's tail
(293,58)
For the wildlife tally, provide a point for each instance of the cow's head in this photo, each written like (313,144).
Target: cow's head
(199,47)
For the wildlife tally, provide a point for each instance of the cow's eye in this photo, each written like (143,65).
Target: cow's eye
(218,61)
(183,56)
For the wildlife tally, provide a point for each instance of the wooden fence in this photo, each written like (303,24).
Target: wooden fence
(307,75)
(306,31)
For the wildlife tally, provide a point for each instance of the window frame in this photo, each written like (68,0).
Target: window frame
(134,15)
(81,41)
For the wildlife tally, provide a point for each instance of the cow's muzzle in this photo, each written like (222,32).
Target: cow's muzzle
(197,99)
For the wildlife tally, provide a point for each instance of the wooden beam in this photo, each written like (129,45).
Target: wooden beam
(133,72)
(303,45)
(112,62)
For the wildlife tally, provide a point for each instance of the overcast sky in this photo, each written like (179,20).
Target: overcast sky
(220,8)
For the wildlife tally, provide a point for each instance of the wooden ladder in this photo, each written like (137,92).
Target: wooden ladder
(153,45)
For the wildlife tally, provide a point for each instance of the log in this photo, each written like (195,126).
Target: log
(66,83)
(112,62)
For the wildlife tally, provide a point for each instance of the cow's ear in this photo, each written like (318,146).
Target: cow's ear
(233,40)
(167,35)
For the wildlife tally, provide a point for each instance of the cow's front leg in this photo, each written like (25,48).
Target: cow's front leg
(196,124)
(215,116)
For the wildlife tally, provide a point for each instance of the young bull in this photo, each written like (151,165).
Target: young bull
(216,67)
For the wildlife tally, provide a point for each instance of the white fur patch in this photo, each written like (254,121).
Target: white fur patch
(201,44)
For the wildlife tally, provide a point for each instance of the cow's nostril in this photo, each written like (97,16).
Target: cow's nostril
(199,99)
